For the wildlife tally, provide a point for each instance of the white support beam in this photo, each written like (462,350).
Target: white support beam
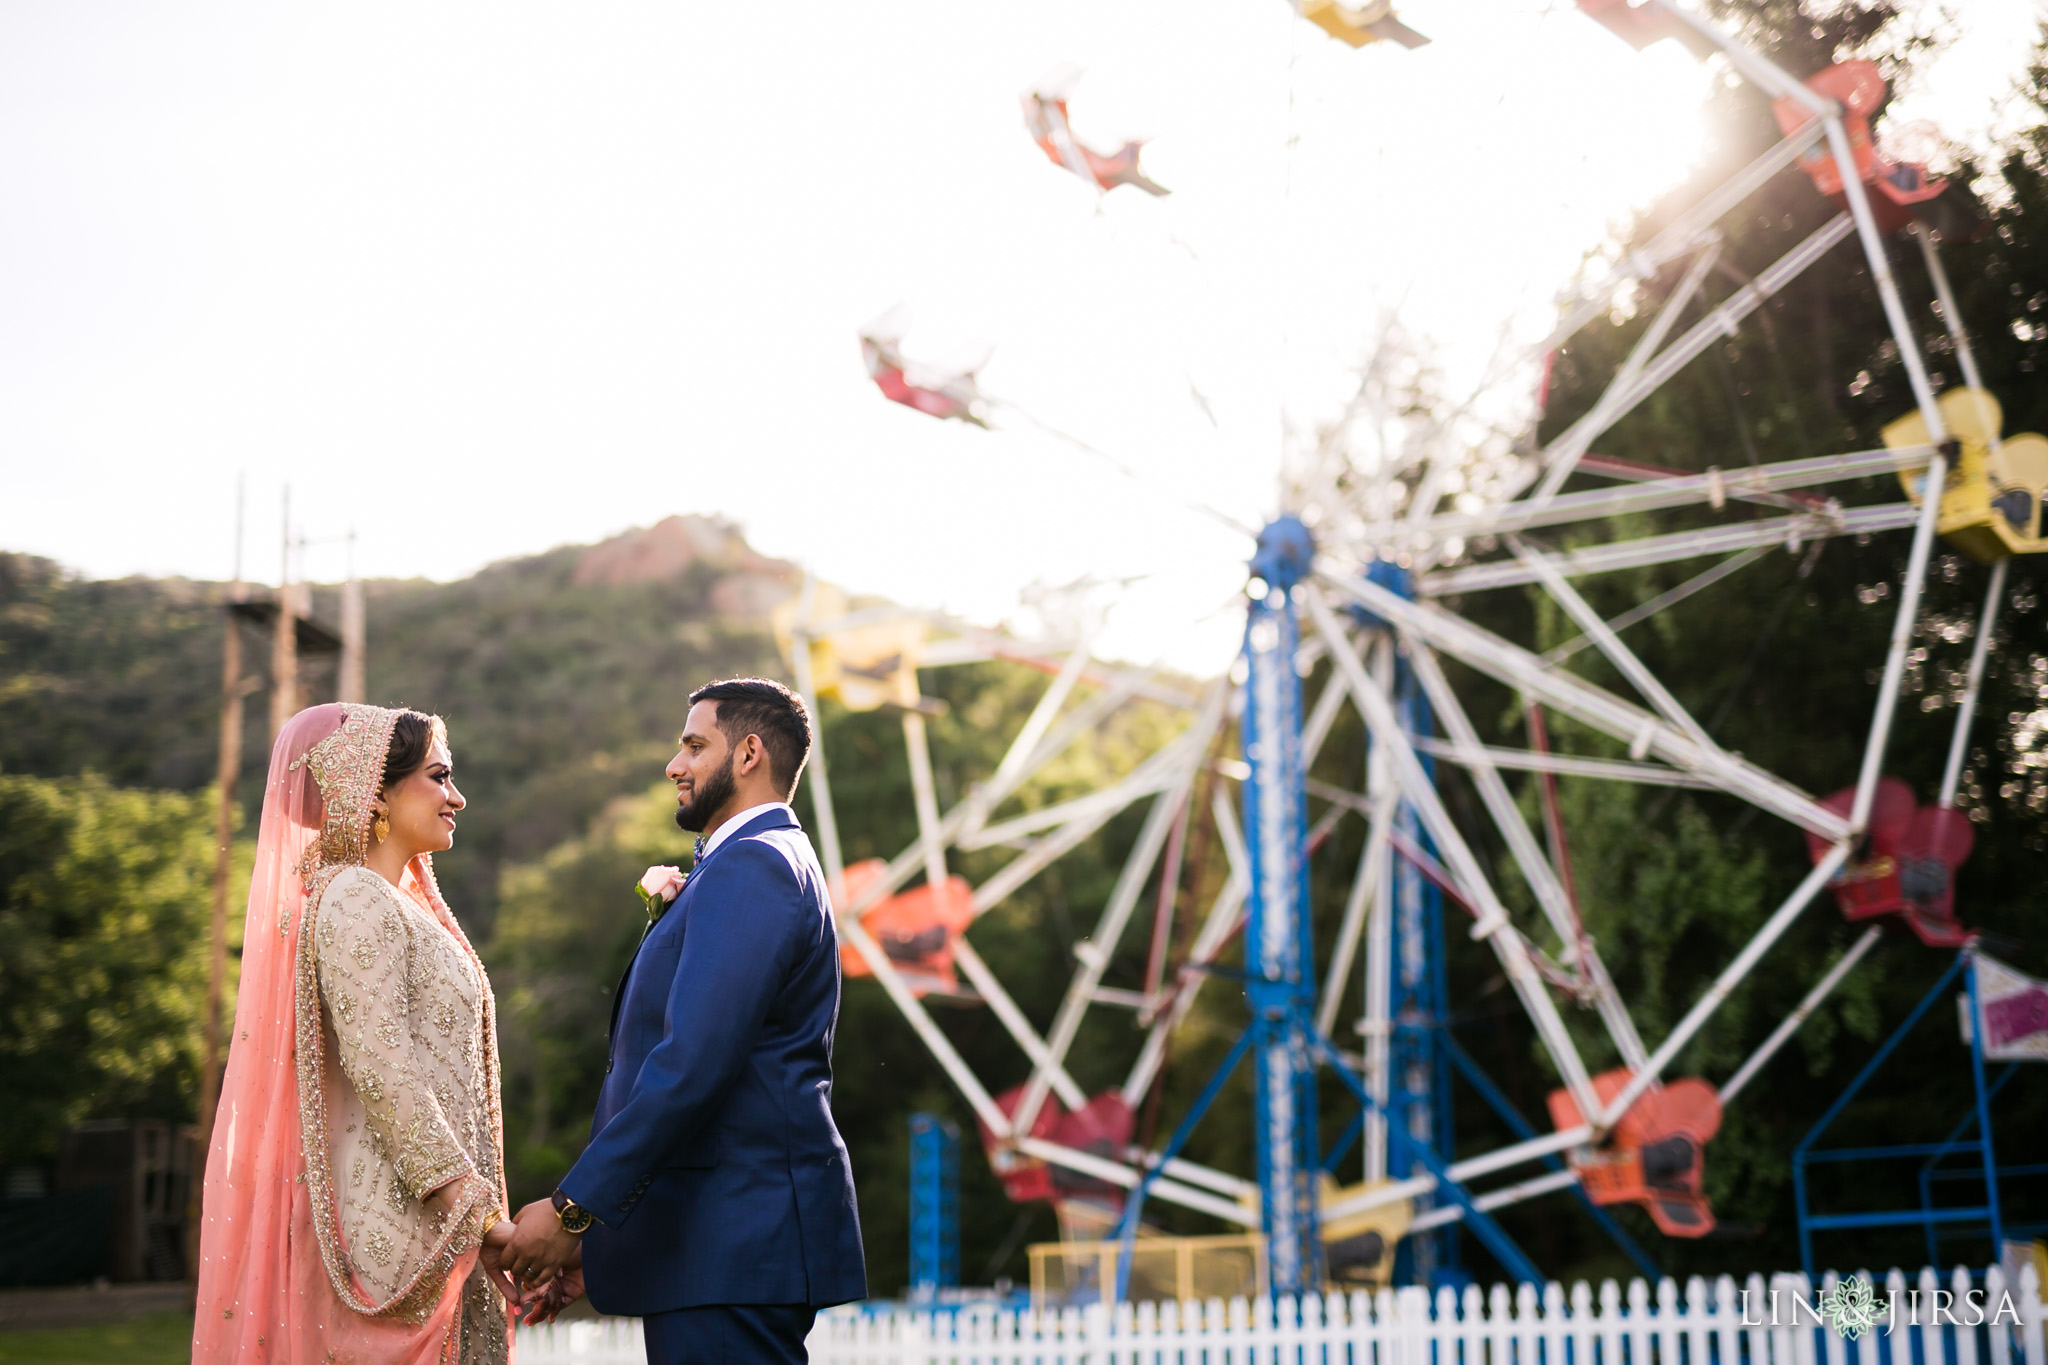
(1643,732)
(1095,952)
(1646,683)
(1790,532)
(1563,454)
(1117,1173)
(1759,70)
(1364,885)
(924,800)
(1177,756)
(1494,795)
(1533,1188)
(1903,621)
(822,809)
(921,1023)
(1529,856)
(1683,234)
(1966,713)
(1462,1172)
(1421,793)
(1718,323)
(1194,1173)
(1224,915)
(1376,1024)
(1570,765)
(1014,1021)
(1781,1035)
(1111,799)
(905,865)
(1321,717)
(1730,977)
(1017,759)
(1742,559)
(1679,490)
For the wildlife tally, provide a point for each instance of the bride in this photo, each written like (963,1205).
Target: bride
(357,1167)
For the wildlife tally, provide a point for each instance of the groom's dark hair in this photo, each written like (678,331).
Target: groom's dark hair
(764,707)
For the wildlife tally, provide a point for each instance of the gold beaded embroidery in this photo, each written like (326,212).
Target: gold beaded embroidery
(348,766)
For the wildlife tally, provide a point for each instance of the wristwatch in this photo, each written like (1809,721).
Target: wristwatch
(575,1218)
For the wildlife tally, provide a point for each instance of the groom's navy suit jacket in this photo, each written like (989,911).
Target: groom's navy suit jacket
(714,1167)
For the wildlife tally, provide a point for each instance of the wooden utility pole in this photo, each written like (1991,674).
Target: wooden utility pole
(349,682)
(284,642)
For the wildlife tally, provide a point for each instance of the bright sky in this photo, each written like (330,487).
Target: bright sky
(481,281)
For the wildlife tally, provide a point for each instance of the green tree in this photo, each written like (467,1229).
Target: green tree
(567,926)
(104,899)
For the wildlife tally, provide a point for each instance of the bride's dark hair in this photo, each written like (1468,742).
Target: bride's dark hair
(412,736)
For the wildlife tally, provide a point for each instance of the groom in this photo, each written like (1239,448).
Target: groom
(715,1200)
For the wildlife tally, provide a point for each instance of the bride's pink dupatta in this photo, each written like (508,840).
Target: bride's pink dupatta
(264,1289)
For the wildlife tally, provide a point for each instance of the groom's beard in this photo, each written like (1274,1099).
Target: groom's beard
(712,795)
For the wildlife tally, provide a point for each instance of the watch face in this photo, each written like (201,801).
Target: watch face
(576,1219)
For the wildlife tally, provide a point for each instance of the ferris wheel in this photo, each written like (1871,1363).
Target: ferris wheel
(1362,569)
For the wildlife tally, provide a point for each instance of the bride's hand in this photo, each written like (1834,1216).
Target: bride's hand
(547,1304)
(491,1255)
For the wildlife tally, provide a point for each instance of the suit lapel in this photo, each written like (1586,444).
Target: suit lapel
(766,820)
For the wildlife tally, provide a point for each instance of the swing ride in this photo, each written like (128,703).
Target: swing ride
(1371,592)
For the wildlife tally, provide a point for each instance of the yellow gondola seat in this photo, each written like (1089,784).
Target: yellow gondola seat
(1991,499)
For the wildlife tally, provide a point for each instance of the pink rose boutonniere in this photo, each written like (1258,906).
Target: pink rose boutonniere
(658,887)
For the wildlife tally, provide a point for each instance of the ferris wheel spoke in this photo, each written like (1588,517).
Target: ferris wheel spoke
(1966,711)
(1683,234)
(1731,976)
(1422,795)
(1567,765)
(1365,882)
(1713,488)
(1620,655)
(1535,866)
(1565,452)
(1789,532)
(1016,760)
(1095,953)
(1226,914)
(1642,731)
(1741,559)
(1781,1035)
(1493,794)
(1718,323)
(1012,1019)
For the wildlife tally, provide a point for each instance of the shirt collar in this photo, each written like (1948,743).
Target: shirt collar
(733,825)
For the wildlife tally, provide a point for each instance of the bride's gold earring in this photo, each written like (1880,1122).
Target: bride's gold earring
(381,826)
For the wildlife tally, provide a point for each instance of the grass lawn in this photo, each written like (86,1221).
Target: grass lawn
(162,1339)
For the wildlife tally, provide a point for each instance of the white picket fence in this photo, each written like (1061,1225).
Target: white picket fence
(1721,1323)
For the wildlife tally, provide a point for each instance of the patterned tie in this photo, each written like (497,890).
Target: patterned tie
(697,853)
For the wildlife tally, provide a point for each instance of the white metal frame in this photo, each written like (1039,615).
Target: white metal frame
(1664,743)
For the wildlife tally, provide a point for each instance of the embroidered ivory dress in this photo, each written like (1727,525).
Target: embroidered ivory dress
(363,1075)
(411,1089)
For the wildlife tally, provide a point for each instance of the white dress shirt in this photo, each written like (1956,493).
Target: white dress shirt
(714,840)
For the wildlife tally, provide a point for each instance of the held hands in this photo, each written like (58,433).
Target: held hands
(537,1305)
(561,1291)
(490,1252)
(539,1249)
(491,1255)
